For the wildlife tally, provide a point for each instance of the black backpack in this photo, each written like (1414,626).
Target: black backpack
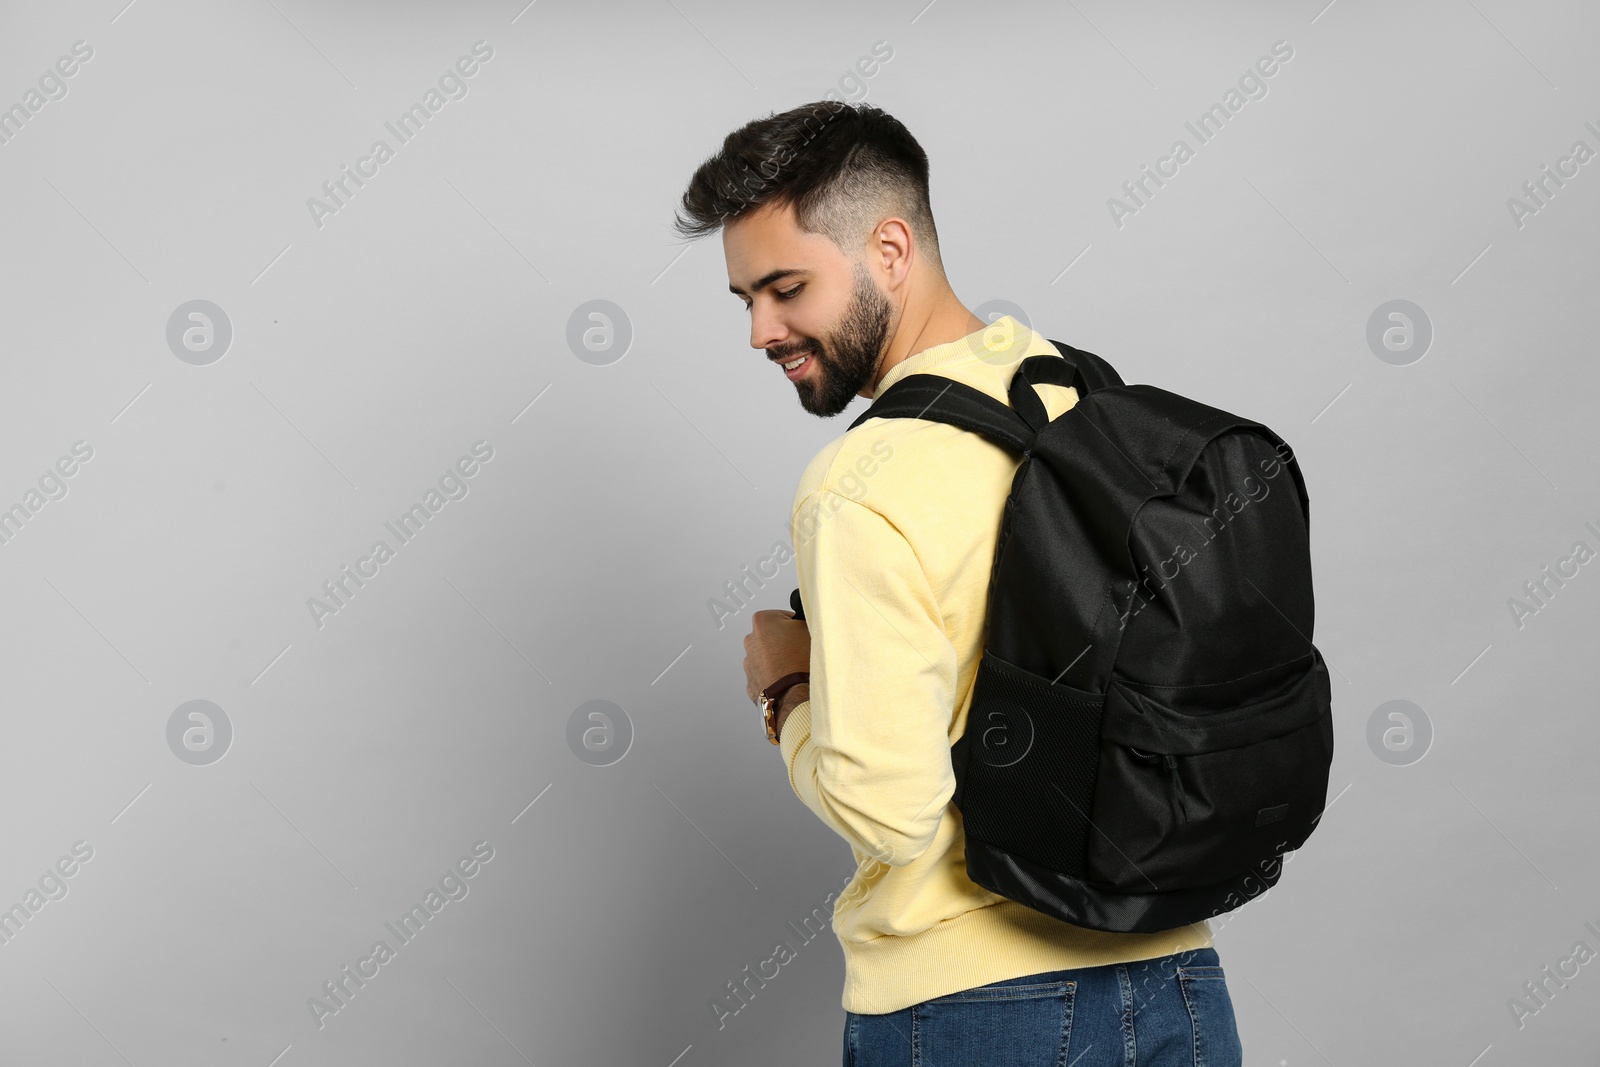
(1151,728)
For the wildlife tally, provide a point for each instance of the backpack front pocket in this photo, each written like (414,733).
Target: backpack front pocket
(1195,788)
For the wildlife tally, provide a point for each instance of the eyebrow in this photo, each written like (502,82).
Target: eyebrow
(767,279)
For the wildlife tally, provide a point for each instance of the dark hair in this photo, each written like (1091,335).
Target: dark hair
(842,166)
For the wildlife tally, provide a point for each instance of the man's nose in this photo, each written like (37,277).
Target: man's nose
(766,331)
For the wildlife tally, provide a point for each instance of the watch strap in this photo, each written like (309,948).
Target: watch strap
(772,694)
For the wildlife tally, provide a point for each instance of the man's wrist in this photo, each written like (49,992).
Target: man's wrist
(792,697)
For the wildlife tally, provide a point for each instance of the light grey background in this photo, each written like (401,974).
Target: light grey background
(431,311)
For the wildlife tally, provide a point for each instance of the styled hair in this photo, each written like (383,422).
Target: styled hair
(843,167)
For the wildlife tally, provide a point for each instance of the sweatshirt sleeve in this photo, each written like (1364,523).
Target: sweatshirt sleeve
(869,752)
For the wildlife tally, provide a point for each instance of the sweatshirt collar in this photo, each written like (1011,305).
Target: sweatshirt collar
(1002,343)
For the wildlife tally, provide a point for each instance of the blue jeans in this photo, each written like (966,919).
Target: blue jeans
(1173,1011)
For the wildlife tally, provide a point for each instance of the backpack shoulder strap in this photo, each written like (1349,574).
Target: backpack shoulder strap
(939,399)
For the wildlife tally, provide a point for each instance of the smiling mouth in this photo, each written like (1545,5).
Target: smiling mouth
(794,370)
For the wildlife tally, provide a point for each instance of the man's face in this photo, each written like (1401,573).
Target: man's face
(827,307)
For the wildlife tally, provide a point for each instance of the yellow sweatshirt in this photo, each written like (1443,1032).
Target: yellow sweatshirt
(894,527)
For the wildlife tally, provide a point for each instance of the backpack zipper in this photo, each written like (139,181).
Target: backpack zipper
(1171,763)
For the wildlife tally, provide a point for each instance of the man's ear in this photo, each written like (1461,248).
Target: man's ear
(894,248)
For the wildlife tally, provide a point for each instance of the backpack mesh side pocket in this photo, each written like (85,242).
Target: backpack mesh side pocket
(1032,751)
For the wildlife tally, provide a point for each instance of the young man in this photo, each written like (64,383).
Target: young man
(830,244)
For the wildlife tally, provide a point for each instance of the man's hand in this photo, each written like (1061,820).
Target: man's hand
(777,644)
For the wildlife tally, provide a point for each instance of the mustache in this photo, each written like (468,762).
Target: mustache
(782,356)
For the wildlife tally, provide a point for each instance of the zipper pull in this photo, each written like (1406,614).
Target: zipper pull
(1171,763)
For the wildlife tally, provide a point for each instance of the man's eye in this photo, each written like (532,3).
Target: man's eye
(788,294)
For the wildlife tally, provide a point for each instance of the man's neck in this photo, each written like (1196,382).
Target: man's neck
(949,321)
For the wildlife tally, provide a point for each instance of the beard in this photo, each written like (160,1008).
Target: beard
(845,363)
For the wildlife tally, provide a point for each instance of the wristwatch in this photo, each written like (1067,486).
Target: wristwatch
(772,694)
